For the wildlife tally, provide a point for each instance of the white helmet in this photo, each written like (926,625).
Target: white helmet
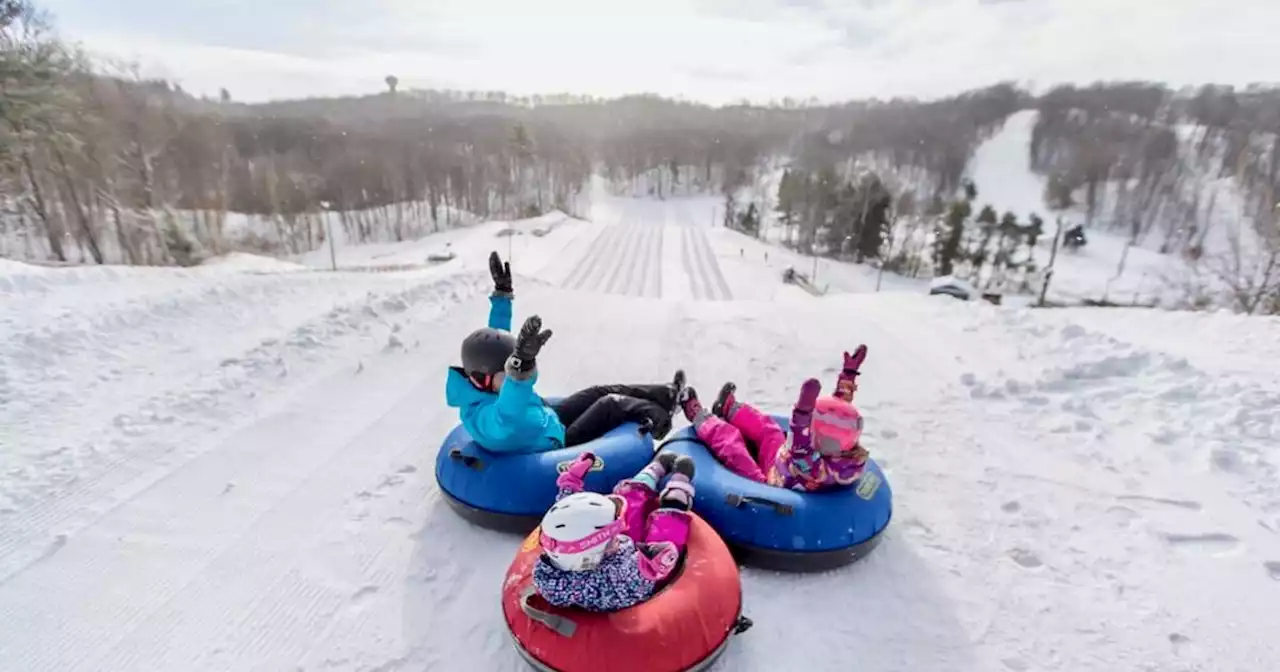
(577,530)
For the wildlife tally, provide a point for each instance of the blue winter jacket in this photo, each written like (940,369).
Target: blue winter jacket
(515,420)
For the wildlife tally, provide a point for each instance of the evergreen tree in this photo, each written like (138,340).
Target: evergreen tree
(521,147)
(873,228)
(948,235)
(823,198)
(845,219)
(749,222)
(987,222)
(788,200)
(1033,232)
(1010,236)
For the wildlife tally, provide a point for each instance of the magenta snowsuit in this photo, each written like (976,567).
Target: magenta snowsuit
(637,563)
(785,460)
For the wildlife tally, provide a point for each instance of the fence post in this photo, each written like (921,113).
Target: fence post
(328,227)
(1053,256)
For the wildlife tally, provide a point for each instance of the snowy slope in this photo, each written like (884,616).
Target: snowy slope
(1108,267)
(212,469)
(1001,169)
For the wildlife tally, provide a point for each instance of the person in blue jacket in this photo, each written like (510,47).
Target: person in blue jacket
(493,390)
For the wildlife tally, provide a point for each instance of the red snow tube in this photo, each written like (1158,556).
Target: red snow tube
(684,627)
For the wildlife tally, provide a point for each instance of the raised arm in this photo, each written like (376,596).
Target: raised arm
(847,382)
(500,300)
(573,478)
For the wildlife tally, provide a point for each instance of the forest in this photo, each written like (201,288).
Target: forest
(99,164)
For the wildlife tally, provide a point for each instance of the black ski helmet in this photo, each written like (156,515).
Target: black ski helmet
(486,351)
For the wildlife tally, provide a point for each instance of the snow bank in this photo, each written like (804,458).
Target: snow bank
(1054,469)
(97,359)
(11,267)
(241,261)
(535,246)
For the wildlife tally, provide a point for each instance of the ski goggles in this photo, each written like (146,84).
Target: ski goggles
(601,536)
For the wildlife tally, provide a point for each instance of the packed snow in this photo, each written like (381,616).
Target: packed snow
(230,467)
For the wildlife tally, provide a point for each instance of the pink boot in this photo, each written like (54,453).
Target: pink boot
(724,440)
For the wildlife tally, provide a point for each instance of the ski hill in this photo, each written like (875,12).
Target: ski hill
(229,467)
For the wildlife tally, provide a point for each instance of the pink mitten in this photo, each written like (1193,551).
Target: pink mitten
(572,478)
(847,381)
(854,362)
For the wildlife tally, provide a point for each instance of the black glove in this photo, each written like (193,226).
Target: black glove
(501,272)
(528,344)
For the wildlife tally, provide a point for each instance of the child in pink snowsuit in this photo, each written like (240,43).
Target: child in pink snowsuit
(822,451)
(611,552)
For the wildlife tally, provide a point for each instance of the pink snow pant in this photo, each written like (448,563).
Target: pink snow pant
(648,524)
(728,441)
(660,534)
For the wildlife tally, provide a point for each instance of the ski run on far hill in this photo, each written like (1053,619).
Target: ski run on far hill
(229,467)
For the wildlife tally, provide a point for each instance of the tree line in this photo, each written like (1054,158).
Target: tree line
(1171,168)
(102,165)
(99,164)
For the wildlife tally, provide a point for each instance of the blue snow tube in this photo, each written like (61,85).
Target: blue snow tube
(511,491)
(782,529)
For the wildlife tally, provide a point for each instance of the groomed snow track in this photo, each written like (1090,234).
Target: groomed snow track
(626,258)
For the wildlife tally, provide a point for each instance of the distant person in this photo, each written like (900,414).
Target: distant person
(1074,238)
(611,552)
(823,450)
(493,390)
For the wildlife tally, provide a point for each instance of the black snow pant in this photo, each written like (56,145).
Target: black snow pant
(591,413)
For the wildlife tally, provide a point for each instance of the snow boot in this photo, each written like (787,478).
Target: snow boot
(679,491)
(677,386)
(688,402)
(725,401)
(655,471)
(658,428)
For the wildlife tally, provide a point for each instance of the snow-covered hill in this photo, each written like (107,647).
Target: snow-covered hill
(1109,266)
(229,467)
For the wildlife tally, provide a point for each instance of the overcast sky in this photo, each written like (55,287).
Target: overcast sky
(710,50)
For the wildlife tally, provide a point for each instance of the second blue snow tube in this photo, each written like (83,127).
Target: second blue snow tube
(782,529)
(512,491)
